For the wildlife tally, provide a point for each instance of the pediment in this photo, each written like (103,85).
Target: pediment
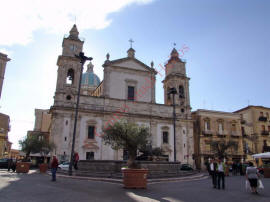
(130,63)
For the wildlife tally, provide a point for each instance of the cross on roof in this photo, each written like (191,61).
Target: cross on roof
(174,44)
(130,41)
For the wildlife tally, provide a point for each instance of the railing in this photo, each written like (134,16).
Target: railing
(207,133)
(235,134)
(262,118)
(265,132)
(244,135)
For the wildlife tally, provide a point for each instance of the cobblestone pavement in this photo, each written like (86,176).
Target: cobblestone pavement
(38,187)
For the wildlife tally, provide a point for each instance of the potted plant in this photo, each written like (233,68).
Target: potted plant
(129,136)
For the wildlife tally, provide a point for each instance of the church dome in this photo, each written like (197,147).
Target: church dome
(89,78)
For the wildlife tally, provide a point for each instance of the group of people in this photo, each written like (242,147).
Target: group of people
(54,164)
(237,168)
(217,172)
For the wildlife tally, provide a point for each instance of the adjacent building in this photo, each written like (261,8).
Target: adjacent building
(220,127)
(255,128)
(3,61)
(5,145)
(42,123)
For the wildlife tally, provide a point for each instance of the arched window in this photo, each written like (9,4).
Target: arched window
(70,76)
(263,128)
(181,92)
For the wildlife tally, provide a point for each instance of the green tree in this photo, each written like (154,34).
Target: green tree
(220,148)
(129,136)
(36,143)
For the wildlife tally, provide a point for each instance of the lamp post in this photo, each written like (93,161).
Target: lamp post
(173,92)
(83,59)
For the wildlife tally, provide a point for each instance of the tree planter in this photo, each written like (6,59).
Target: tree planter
(22,167)
(266,172)
(43,167)
(134,178)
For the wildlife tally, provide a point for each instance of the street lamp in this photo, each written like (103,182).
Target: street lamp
(83,59)
(173,91)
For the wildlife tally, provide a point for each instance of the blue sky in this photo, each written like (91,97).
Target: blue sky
(227,59)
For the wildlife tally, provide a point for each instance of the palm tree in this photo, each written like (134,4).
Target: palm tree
(220,147)
(129,136)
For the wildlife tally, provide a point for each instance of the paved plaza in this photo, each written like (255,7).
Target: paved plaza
(35,187)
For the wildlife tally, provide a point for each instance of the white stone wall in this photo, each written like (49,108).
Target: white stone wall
(119,82)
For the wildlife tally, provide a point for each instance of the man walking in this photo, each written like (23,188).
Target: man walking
(54,167)
(221,169)
(76,159)
(213,171)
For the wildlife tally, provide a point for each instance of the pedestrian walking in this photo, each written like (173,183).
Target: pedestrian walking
(252,176)
(76,159)
(54,167)
(9,164)
(241,169)
(213,170)
(220,172)
(234,168)
(227,169)
(14,163)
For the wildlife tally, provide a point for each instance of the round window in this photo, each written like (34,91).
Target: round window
(68,97)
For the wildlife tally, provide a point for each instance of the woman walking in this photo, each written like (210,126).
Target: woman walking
(252,176)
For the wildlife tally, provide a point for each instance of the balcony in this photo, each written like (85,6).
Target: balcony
(243,121)
(244,134)
(221,134)
(264,132)
(234,134)
(207,133)
(262,118)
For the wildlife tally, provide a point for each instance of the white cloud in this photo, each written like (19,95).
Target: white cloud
(20,18)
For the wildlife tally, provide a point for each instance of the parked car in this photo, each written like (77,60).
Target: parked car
(4,163)
(186,167)
(63,166)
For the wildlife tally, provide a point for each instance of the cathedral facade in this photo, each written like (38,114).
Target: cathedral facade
(126,92)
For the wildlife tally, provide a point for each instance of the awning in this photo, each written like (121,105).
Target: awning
(261,155)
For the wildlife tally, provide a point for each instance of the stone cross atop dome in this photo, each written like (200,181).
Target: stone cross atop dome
(73,33)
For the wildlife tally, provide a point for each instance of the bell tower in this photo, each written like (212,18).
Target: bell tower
(176,78)
(69,67)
